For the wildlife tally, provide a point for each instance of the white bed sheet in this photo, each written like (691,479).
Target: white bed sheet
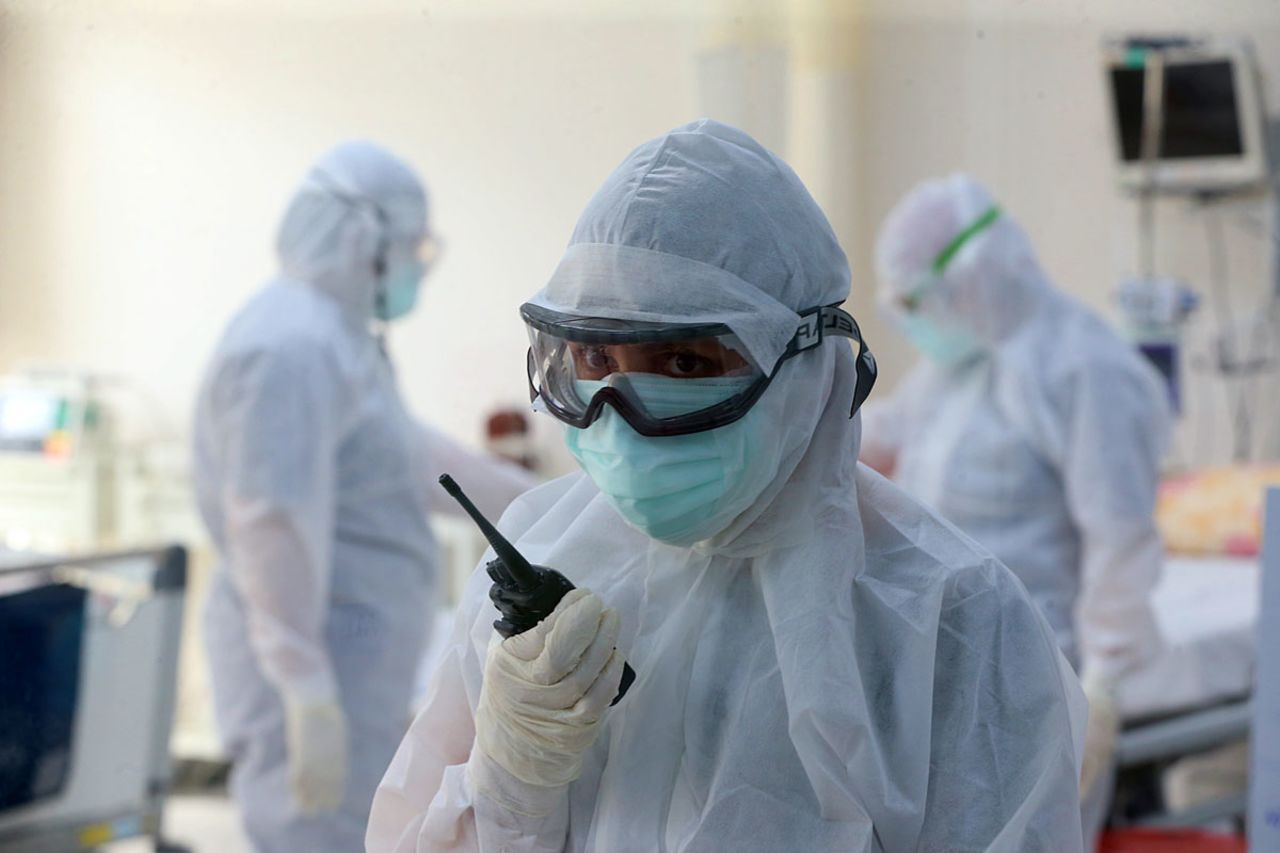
(1207,608)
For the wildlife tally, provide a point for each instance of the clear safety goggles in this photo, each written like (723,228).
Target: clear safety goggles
(664,379)
(917,296)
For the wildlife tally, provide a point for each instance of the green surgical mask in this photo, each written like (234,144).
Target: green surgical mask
(398,290)
(679,489)
(948,346)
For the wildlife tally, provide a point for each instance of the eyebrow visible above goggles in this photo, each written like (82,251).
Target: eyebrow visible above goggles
(911,300)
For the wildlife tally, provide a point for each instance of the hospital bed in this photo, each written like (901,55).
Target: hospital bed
(1195,696)
(88,665)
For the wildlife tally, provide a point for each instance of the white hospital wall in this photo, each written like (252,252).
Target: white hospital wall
(147,150)
(147,147)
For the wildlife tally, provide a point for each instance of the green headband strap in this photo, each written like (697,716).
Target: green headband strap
(949,252)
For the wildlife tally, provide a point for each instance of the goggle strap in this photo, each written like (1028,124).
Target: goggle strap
(865,372)
(817,323)
(948,253)
(830,320)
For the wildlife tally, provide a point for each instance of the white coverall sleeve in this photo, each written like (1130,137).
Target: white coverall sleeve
(884,423)
(491,482)
(1008,721)
(427,800)
(1118,425)
(279,418)
(880,444)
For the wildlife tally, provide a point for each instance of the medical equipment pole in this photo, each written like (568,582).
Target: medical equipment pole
(1273,189)
(1264,798)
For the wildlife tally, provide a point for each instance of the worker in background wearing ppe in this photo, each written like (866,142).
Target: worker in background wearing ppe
(1032,427)
(821,664)
(315,485)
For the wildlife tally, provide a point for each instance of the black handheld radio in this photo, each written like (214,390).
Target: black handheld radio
(524,594)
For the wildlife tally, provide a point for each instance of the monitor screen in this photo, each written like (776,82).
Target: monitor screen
(28,416)
(1201,116)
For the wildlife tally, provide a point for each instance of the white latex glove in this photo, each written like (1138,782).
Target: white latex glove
(1100,736)
(316,740)
(546,691)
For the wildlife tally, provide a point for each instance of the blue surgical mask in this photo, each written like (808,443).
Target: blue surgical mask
(399,290)
(946,345)
(679,489)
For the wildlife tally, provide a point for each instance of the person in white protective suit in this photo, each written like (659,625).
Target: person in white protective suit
(821,664)
(1032,427)
(315,485)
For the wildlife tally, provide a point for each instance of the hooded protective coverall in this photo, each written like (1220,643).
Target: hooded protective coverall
(834,669)
(315,485)
(1042,441)
(1032,427)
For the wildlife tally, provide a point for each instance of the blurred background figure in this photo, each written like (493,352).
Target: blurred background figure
(1030,425)
(316,485)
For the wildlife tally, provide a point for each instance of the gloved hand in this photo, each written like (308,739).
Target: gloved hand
(1100,736)
(316,740)
(546,691)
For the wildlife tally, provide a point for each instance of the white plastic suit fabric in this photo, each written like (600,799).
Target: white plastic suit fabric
(1045,448)
(314,483)
(835,670)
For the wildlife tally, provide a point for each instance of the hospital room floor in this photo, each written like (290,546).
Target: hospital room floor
(204,824)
